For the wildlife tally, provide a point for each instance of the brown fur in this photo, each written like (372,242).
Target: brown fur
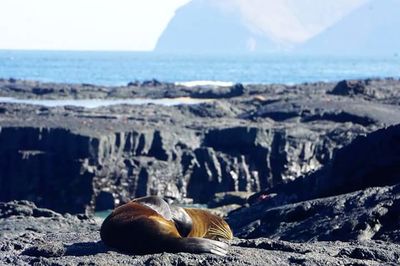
(204,223)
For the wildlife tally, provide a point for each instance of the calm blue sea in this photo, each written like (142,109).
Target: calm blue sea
(119,68)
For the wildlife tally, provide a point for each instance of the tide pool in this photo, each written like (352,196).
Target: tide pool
(94,103)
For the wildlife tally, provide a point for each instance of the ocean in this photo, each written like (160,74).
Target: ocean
(119,68)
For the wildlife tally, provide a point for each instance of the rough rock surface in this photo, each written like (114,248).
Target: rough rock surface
(243,138)
(356,196)
(386,91)
(373,213)
(34,236)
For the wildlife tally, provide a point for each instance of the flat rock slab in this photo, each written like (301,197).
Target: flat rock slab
(328,108)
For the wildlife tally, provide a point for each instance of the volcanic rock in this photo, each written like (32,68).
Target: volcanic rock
(246,138)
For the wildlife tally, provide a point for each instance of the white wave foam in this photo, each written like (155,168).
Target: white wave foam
(195,83)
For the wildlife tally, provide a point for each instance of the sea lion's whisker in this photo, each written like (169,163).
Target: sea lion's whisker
(215,231)
(219,230)
(221,227)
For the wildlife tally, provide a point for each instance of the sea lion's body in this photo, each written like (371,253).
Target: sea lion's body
(149,225)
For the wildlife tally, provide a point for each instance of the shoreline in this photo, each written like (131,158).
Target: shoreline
(154,89)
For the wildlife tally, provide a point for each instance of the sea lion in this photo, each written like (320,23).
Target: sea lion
(150,225)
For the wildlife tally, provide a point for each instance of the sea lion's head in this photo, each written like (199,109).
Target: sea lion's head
(219,229)
(208,225)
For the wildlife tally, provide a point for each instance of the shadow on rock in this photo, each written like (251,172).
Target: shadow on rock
(59,250)
(85,249)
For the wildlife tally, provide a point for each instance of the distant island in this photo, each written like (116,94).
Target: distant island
(366,27)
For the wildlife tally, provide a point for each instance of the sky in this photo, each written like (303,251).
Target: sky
(84,24)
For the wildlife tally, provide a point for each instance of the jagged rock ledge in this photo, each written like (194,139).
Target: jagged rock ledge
(356,196)
(247,138)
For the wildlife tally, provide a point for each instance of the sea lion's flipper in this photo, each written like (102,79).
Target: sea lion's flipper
(201,245)
(157,204)
(183,221)
(177,214)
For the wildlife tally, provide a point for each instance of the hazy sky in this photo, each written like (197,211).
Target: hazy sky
(84,24)
(137,24)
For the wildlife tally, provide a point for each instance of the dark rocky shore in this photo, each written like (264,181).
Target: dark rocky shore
(34,236)
(320,162)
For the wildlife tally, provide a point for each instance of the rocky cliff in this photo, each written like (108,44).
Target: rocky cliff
(243,138)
